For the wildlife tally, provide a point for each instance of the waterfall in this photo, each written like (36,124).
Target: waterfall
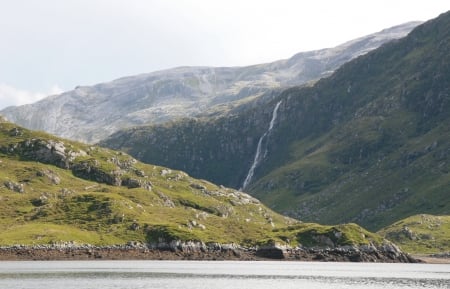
(258,157)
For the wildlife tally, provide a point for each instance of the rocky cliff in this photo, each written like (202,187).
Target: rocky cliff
(91,113)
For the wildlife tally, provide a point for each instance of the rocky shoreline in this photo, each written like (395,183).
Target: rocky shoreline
(199,251)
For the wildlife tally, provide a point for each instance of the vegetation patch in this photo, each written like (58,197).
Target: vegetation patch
(420,234)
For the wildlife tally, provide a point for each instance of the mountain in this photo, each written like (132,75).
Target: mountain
(91,113)
(70,196)
(369,144)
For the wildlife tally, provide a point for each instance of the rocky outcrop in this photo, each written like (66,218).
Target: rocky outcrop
(82,165)
(132,183)
(387,252)
(90,170)
(15,187)
(194,250)
(45,151)
(50,175)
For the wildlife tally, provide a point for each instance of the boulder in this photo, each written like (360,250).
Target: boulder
(52,176)
(16,187)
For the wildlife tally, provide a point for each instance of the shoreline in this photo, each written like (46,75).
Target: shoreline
(24,253)
(431,259)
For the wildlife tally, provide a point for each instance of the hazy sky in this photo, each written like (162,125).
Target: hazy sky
(48,46)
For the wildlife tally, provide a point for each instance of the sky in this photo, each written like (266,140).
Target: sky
(51,46)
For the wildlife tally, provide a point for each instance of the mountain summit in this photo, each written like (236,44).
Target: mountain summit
(91,113)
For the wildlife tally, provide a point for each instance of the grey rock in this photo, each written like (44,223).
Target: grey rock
(139,173)
(197,186)
(16,187)
(45,151)
(64,192)
(52,176)
(132,183)
(90,171)
(323,240)
(134,226)
(15,132)
(167,202)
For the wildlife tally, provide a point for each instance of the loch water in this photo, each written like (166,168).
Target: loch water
(219,275)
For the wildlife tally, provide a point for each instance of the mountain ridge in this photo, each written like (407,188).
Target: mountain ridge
(91,113)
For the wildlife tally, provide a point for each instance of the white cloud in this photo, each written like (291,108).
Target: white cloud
(10,95)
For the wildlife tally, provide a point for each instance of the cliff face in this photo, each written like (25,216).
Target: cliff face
(220,150)
(91,113)
(369,144)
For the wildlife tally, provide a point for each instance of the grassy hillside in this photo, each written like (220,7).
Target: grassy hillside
(420,234)
(54,190)
(369,144)
(101,196)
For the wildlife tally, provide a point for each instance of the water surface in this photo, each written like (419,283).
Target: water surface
(219,275)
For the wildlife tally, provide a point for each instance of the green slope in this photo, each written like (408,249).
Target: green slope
(54,190)
(98,196)
(420,234)
(368,145)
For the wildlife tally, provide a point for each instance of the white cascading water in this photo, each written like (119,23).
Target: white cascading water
(258,157)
